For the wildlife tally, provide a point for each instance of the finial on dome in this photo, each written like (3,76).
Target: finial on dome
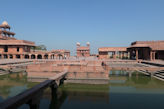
(88,44)
(5,23)
(78,44)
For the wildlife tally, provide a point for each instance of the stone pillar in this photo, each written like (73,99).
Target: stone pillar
(8,56)
(54,97)
(29,56)
(35,101)
(136,54)
(36,56)
(43,56)
(49,56)
(21,56)
(154,55)
(14,56)
(151,55)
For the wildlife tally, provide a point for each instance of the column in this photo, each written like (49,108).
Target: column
(21,56)
(36,56)
(29,56)
(128,55)
(43,56)
(136,54)
(154,55)
(8,56)
(151,55)
(14,56)
(49,56)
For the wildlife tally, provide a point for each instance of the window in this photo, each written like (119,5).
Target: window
(26,49)
(17,49)
(6,49)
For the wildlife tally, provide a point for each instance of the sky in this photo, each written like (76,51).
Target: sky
(59,24)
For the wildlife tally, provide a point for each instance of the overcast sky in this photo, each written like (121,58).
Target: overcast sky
(59,24)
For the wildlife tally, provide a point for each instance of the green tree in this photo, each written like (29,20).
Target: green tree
(41,47)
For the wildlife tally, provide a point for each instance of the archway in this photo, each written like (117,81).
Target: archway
(5,56)
(46,56)
(39,56)
(60,56)
(52,56)
(26,56)
(32,56)
(11,56)
(18,56)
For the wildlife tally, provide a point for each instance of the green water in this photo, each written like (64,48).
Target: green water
(122,92)
(13,84)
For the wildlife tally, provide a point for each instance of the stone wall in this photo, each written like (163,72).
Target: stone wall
(78,71)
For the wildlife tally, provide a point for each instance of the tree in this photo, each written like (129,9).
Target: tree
(41,47)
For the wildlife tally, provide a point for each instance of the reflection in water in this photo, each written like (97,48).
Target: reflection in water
(72,95)
(122,92)
(57,101)
(13,84)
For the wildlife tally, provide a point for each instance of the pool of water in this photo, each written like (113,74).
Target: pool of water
(122,92)
(13,84)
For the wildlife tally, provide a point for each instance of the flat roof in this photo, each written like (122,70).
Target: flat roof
(109,49)
(17,42)
(154,45)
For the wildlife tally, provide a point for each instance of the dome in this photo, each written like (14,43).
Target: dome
(5,23)
(78,43)
(88,43)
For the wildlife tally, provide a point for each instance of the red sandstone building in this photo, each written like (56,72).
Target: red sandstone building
(12,48)
(83,51)
(113,52)
(139,50)
(146,50)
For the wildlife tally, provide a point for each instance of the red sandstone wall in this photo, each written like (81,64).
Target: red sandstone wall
(87,69)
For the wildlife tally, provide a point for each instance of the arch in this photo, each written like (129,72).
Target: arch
(5,56)
(32,56)
(55,56)
(11,56)
(39,56)
(60,56)
(52,56)
(18,56)
(46,56)
(26,56)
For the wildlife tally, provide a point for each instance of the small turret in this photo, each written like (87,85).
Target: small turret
(5,32)
(78,44)
(88,44)
(5,25)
